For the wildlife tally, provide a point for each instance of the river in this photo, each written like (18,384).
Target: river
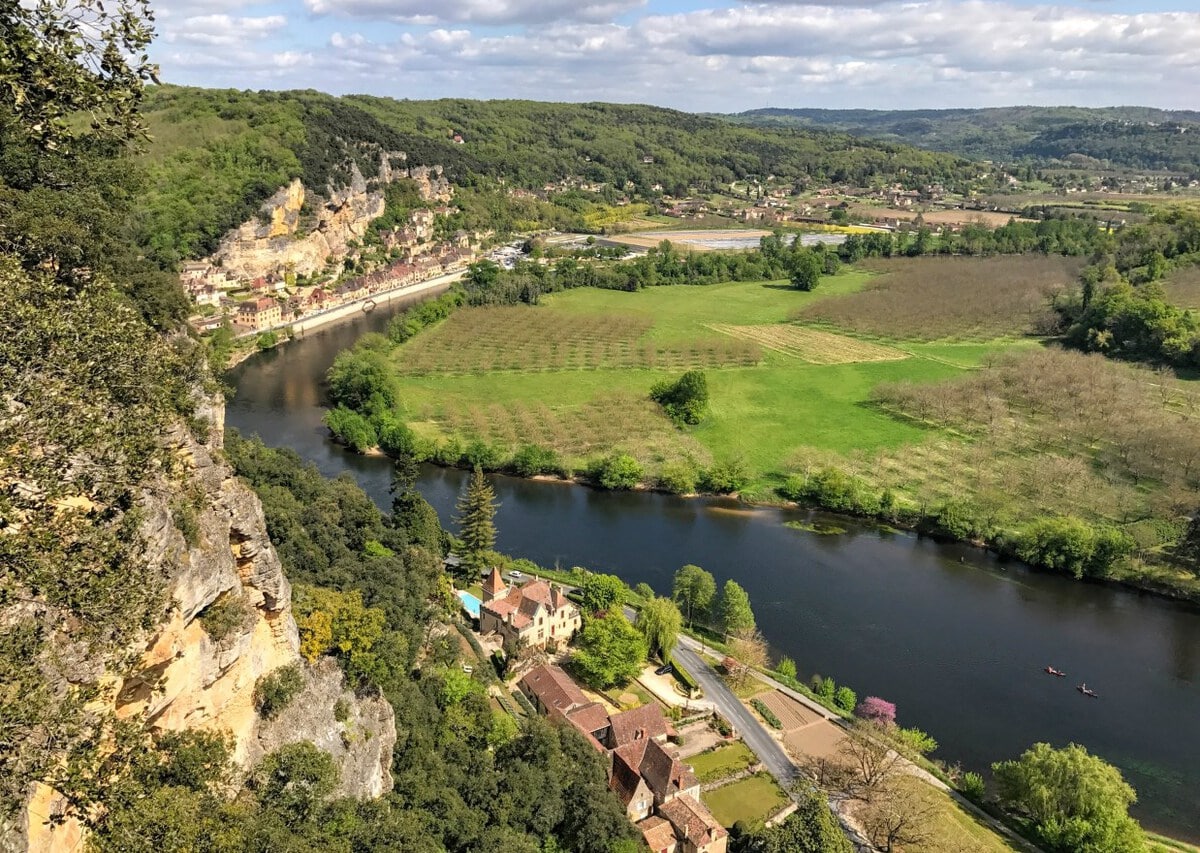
(953,636)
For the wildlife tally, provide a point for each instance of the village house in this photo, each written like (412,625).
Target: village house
(260,313)
(536,614)
(660,794)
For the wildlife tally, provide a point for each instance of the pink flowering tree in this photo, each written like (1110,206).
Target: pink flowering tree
(877,711)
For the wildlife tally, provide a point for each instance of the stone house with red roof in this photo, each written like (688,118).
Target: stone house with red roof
(536,614)
(660,794)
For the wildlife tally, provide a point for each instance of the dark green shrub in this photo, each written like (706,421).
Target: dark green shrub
(724,478)
(971,786)
(616,471)
(224,616)
(274,691)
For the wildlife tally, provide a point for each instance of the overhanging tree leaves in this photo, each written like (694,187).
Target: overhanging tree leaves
(1076,801)
(659,621)
(694,589)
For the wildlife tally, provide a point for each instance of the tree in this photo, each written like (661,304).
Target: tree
(601,592)
(296,779)
(611,651)
(659,621)
(898,814)
(617,471)
(806,268)
(735,614)
(477,528)
(877,711)
(786,667)
(749,650)
(1075,800)
(812,828)
(69,58)
(694,589)
(684,400)
(361,378)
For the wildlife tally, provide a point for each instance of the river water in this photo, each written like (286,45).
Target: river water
(953,636)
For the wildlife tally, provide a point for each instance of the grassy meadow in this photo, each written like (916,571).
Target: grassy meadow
(923,380)
(574,373)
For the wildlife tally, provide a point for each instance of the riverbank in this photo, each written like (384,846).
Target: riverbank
(349,311)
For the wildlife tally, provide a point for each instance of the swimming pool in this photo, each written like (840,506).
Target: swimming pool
(470,603)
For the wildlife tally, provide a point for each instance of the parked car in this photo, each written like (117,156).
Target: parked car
(515,575)
(665,669)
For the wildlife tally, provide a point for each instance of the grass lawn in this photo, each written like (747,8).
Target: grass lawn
(752,800)
(613,347)
(721,762)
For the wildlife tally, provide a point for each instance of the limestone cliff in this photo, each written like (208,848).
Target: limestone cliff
(206,529)
(299,231)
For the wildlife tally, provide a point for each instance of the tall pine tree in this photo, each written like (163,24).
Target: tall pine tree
(476,524)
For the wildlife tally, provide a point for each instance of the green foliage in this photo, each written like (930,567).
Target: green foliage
(971,786)
(812,828)
(1132,137)
(395,438)
(694,589)
(616,471)
(296,779)
(845,699)
(225,616)
(678,478)
(338,623)
(724,478)
(601,593)
(477,527)
(660,621)
(531,460)
(1074,800)
(786,667)
(1067,544)
(766,713)
(351,428)
(424,314)
(807,267)
(735,614)
(685,400)
(275,691)
(266,341)
(833,489)
(361,379)
(610,651)
(914,742)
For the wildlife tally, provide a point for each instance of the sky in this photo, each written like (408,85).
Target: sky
(697,55)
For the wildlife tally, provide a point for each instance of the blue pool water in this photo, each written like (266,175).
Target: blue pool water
(470,603)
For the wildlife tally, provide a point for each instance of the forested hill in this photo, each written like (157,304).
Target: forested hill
(215,155)
(1132,137)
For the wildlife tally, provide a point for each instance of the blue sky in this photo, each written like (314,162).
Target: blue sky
(713,55)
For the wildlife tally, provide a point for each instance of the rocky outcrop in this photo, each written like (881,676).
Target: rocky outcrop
(229,623)
(289,235)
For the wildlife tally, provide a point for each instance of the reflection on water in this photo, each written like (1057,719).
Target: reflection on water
(954,636)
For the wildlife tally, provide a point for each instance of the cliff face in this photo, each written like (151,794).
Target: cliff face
(282,239)
(188,678)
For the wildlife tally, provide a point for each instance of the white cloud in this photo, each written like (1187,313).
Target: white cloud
(221,29)
(475,11)
(832,53)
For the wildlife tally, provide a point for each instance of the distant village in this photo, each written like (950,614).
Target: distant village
(280,298)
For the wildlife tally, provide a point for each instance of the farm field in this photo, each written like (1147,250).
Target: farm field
(574,374)
(987,435)
(934,298)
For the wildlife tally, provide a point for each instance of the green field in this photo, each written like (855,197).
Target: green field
(462,380)
(751,800)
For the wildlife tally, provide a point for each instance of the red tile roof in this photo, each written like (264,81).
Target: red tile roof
(692,820)
(659,834)
(554,689)
(644,722)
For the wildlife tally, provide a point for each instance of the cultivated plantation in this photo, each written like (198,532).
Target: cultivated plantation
(913,389)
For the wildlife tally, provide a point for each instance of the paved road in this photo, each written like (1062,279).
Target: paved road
(769,751)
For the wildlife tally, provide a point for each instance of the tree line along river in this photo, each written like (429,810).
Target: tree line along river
(954,637)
